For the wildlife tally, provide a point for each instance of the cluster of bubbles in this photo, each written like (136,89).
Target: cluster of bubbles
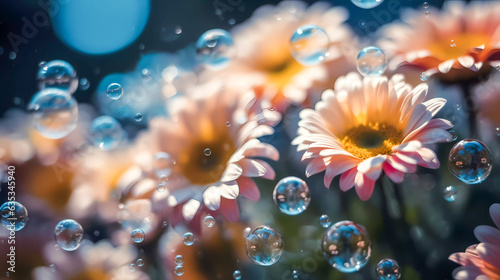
(14,215)
(309,45)
(264,245)
(106,133)
(367,4)
(291,195)
(371,61)
(138,263)
(68,234)
(215,48)
(388,269)
(470,161)
(346,246)
(138,235)
(179,262)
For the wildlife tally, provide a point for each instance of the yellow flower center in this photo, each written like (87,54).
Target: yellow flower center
(457,46)
(204,161)
(280,74)
(366,141)
(90,274)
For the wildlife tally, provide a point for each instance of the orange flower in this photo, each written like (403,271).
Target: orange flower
(368,126)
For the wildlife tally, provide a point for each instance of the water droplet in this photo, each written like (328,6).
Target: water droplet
(453,134)
(188,238)
(146,75)
(179,260)
(12,55)
(295,274)
(371,61)
(207,152)
(309,45)
(388,269)
(106,133)
(132,267)
(114,91)
(367,4)
(84,84)
(264,245)
(68,234)
(325,221)
(346,246)
(140,262)
(426,5)
(138,235)
(55,113)
(237,275)
(14,215)
(470,161)
(161,188)
(162,164)
(138,117)
(170,33)
(292,195)
(424,76)
(52,268)
(450,193)
(215,48)
(209,221)
(179,270)
(228,124)
(58,74)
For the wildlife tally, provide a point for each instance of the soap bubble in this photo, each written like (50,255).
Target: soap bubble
(237,275)
(264,245)
(309,45)
(325,221)
(57,74)
(138,235)
(346,246)
(140,262)
(209,221)
(106,133)
(55,113)
(14,215)
(292,195)
(470,161)
(179,260)
(138,117)
(188,238)
(179,270)
(68,234)
(114,91)
(162,164)
(215,48)
(450,193)
(371,61)
(367,4)
(388,269)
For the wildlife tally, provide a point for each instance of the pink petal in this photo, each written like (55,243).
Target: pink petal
(232,172)
(347,179)
(262,150)
(364,186)
(190,208)
(495,214)
(487,234)
(229,190)
(317,165)
(372,167)
(339,166)
(489,253)
(269,174)
(401,165)
(211,198)
(445,66)
(251,168)
(229,208)
(248,188)
(411,146)
(395,175)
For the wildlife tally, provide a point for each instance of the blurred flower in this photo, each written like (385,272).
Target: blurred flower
(481,261)
(264,61)
(368,126)
(212,143)
(91,261)
(460,36)
(487,101)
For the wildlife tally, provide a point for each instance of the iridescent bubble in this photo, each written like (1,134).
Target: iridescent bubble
(237,275)
(161,188)
(450,193)
(325,221)
(179,270)
(140,262)
(58,74)
(162,164)
(138,117)
(346,246)
(470,161)
(188,238)
(424,76)
(228,124)
(367,4)
(264,245)
(207,152)
(55,113)
(68,234)
(179,260)
(14,215)
(138,235)
(209,221)
(371,61)
(295,274)
(132,267)
(426,5)
(215,48)
(309,45)
(114,91)
(106,133)
(52,268)
(292,195)
(388,269)
(454,135)
(84,84)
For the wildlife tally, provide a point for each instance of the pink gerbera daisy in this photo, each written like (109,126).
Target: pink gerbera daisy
(481,261)
(364,127)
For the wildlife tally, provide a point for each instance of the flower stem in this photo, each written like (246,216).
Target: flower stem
(471,108)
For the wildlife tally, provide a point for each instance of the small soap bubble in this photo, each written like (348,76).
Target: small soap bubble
(162,164)
(179,260)
(114,91)
(371,61)
(264,245)
(388,269)
(138,235)
(140,262)
(106,133)
(179,270)
(132,267)
(58,74)
(215,48)
(450,193)
(426,5)
(52,268)
(237,275)
(12,55)
(68,234)
(228,124)
(207,152)
(170,33)
(367,4)
(453,134)
(84,84)
(325,221)
(291,195)
(161,188)
(209,221)
(424,76)
(138,117)
(14,215)
(470,161)
(309,45)
(295,274)
(188,238)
